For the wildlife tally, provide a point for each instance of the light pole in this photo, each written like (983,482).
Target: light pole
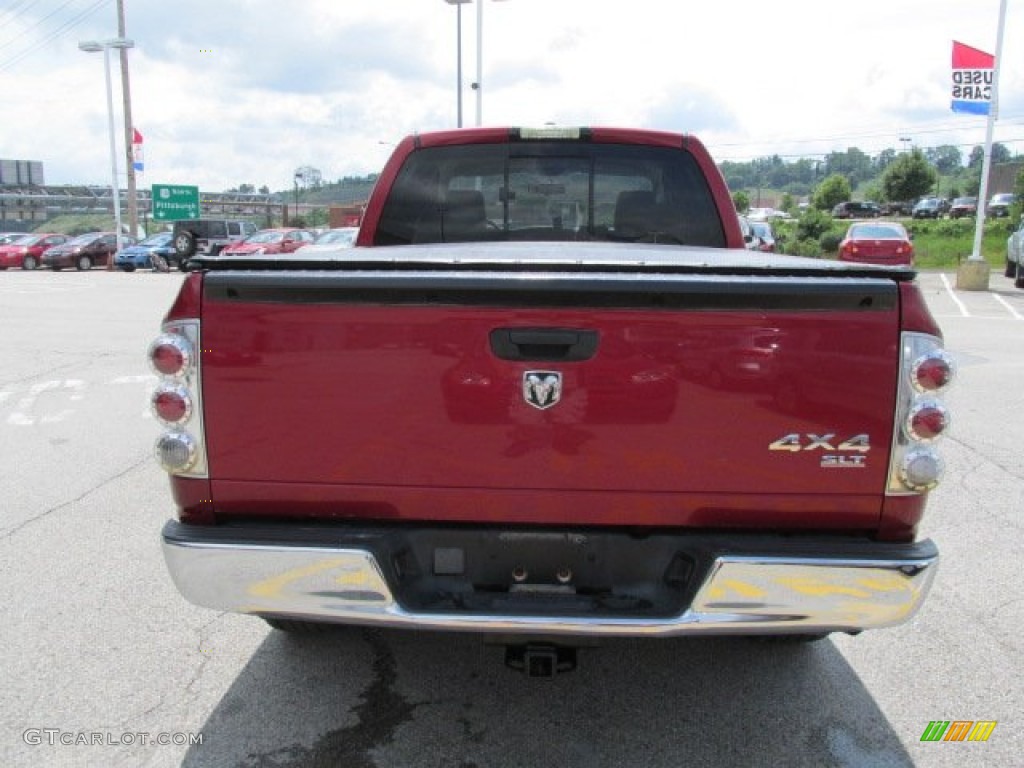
(478,84)
(458,54)
(129,129)
(906,143)
(95,46)
(297,177)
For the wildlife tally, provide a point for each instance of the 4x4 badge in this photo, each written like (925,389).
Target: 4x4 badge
(542,389)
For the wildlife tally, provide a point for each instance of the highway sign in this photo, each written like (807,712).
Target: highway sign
(174,201)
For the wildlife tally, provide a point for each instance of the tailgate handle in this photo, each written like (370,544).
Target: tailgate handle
(561,344)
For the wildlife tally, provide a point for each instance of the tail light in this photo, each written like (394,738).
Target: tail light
(172,404)
(170,355)
(176,401)
(921,417)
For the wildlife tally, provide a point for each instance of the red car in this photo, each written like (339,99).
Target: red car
(27,251)
(284,240)
(881,242)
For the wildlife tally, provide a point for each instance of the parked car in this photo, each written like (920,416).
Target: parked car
(999,205)
(963,206)
(1015,254)
(332,240)
(750,241)
(879,242)
(141,255)
(852,209)
(760,214)
(83,251)
(928,208)
(26,251)
(897,208)
(207,237)
(10,237)
(765,234)
(283,240)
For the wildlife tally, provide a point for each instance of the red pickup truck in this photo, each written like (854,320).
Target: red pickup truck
(550,395)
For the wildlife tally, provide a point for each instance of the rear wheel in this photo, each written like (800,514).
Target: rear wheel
(83,263)
(29,263)
(1011,269)
(1019,281)
(128,267)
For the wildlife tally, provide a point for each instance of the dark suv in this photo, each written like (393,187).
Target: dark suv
(207,237)
(928,208)
(857,210)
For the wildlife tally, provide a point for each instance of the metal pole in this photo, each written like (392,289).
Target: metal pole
(458,60)
(480,61)
(114,191)
(129,129)
(986,163)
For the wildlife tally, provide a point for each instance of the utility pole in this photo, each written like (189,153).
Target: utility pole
(129,129)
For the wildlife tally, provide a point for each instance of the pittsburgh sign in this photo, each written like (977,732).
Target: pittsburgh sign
(972,79)
(172,202)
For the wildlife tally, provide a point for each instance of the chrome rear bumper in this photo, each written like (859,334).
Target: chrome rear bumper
(738,593)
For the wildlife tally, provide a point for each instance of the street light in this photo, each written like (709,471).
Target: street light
(478,85)
(95,46)
(458,55)
(906,142)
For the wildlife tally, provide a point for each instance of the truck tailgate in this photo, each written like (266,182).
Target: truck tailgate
(669,400)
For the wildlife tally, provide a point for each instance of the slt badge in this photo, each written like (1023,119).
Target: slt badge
(542,389)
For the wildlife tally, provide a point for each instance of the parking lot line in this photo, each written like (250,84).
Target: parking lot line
(953,296)
(1009,307)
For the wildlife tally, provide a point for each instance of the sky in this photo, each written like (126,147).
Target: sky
(230,92)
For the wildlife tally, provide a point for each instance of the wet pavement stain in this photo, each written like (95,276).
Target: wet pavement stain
(380,714)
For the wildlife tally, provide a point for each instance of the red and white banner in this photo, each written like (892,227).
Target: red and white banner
(137,158)
(973,73)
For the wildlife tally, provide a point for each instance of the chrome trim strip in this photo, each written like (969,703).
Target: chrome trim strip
(741,595)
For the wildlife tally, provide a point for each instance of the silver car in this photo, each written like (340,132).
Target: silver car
(1015,255)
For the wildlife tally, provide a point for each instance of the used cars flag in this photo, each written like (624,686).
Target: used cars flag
(137,160)
(972,79)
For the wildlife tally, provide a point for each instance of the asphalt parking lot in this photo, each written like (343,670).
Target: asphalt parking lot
(103,659)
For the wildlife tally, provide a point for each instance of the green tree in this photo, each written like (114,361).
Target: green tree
(1000,154)
(909,177)
(1018,191)
(833,190)
(852,163)
(813,223)
(884,159)
(741,200)
(946,158)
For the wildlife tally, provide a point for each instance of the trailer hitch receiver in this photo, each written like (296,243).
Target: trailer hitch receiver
(540,660)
